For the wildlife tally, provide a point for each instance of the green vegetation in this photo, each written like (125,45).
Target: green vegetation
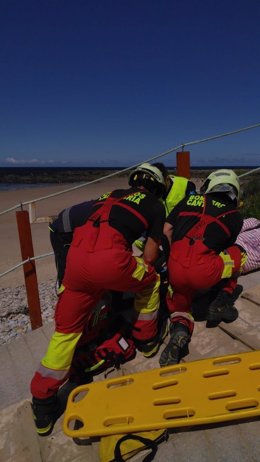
(251,198)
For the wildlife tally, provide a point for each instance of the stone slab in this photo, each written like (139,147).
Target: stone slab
(253,294)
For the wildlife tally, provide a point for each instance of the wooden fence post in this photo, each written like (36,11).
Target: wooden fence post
(183,163)
(29,268)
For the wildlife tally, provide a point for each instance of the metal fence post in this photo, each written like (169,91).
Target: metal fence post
(183,163)
(29,268)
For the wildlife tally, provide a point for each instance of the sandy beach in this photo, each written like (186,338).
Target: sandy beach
(9,243)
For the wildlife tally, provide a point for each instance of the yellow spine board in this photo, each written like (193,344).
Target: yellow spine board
(208,391)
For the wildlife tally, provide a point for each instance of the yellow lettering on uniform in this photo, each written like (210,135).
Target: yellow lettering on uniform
(195,201)
(136,197)
(218,204)
(104,196)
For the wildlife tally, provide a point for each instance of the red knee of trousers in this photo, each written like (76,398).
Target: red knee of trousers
(44,387)
(143,330)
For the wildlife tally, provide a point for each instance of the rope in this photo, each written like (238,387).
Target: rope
(25,261)
(250,171)
(175,148)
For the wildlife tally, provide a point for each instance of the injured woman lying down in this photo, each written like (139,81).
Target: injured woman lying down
(249,239)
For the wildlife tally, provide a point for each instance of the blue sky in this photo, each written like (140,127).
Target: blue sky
(114,82)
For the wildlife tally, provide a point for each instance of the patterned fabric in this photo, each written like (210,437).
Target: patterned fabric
(249,239)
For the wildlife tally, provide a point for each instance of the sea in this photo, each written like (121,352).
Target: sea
(15,178)
(16,186)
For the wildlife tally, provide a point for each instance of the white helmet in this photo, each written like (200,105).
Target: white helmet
(149,176)
(223,180)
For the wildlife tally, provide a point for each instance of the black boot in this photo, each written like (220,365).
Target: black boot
(236,292)
(177,347)
(222,309)
(150,347)
(45,414)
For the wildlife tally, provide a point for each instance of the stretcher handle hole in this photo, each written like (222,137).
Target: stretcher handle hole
(225,362)
(242,405)
(179,414)
(127,419)
(209,374)
(172,370)
(121,382)
(169,383)
(74,423)
(166,401)
(222,394)
(79,394)
(254,367)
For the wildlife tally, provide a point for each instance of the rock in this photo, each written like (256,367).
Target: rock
(14,311)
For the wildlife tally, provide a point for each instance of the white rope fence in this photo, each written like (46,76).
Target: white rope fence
(13,268)
(250,171)
(175,148)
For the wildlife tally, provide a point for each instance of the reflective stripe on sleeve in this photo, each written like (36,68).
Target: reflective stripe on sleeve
(228,265)
(140,270)
(66,220)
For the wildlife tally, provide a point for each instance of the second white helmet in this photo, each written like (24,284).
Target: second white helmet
(222,180)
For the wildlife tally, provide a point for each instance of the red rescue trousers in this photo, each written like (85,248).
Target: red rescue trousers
(193,267)
(95,263)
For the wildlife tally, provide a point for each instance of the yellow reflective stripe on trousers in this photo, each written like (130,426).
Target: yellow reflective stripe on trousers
(228,265)
(53,373)
(60,351)
(147,302)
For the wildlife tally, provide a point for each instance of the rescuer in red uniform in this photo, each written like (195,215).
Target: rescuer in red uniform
(99,259)
(202,230)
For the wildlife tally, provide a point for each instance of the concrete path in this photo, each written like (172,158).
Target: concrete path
(235,442)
